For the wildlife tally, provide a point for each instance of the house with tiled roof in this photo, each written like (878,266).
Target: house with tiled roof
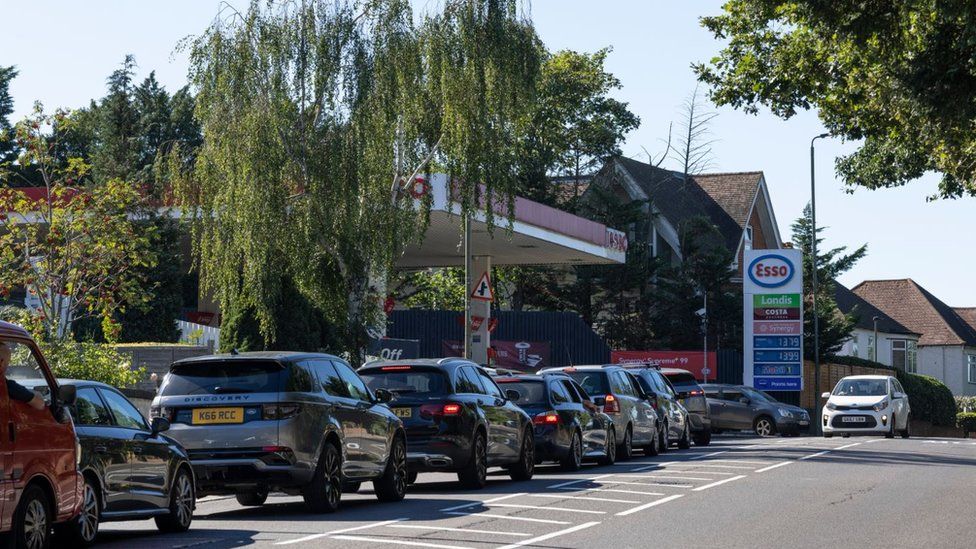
(876,335)
(737,204)
(947,345)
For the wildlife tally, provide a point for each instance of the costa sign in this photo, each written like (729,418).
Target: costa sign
(771,271)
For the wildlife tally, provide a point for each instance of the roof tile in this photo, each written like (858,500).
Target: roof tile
(918,310)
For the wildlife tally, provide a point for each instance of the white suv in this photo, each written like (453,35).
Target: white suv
(867,405)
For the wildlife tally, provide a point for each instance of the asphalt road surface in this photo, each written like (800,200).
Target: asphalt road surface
(737,492)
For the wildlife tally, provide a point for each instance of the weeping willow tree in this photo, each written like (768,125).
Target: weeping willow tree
(316,116)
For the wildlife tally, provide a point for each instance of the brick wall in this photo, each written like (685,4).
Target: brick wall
(157,358)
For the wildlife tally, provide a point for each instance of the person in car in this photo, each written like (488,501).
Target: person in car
(15,390)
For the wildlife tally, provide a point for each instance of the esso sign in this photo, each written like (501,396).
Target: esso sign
(771,271)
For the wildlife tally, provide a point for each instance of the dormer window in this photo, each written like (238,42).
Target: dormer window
(748,233)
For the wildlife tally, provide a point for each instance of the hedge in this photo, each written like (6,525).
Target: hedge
(929,398)
(966,421)
(856,361)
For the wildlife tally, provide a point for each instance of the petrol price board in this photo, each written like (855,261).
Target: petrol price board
(773,320)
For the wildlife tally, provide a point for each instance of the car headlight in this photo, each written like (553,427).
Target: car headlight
(784,412)
(880,406)
(831,406)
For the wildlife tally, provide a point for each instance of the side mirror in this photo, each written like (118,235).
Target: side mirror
(67,394)
(825,395)
(383,395)
(158,425)
(513,395)
(898,395)
(744,400)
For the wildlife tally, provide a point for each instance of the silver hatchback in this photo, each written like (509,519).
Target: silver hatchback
(300,423)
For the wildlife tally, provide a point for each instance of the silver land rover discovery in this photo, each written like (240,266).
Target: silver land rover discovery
(299,423)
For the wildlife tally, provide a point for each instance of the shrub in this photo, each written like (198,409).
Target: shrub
(966,421)
(930,399)
(92,361)
(966,404)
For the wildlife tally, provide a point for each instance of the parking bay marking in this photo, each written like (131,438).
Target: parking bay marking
(663,477)
(585,498)
(616,490)
(342,531)
(398,542)
(774,466)
(508,517)
(649,505)
(710,455)
(811,456)
(464,530)
(712,485)
(545,508)
(847,446)
(545,537)
(475,504)
(580,481)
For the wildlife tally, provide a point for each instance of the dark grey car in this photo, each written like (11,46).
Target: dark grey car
(737,407)
(300,423)
(673,417)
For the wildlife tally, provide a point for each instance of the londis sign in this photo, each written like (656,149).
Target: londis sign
(771,270)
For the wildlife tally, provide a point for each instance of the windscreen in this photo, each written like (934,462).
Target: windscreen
(223,377)
(861,387)
(407,380)
(593,382)
(683,382)
(531,393)
(758,396)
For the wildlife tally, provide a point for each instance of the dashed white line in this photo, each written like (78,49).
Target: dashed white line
(717,462)
(811,456)
(399,542)
(710,455)
(649,505)
(507,517)
(545,508)
(466,505)
(545,537)
(720,466)
(344,530)
(847,446)
(584,498)
(723,481)
(771,467)
(580,481)
(464,530)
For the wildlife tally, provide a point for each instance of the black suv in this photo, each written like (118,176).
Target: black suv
(301,423)
(456,418)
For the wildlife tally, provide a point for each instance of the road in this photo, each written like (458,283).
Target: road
(737,492)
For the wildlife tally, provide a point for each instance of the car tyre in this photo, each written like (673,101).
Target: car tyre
(351,487)
(323,494)
(703,438)
(181,503)
(891,428)
(392,486)
(82,530)
(665,442)
(828,435)
(625,450)
(32,520)
(253,498)
(764,426)
(573,459)
(525,468)
(611,449)
(654,448)
(907,432)
(475,474)
(685,441)
(412,477)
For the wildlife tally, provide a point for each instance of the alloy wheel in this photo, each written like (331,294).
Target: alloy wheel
(88,519)
(183,498)
(763,427)
(333,478)
(577,450)
(36,525)
(400,467)
(482,458)
(612,447)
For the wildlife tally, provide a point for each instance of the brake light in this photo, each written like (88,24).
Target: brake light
(546,418)
(280,411)
(611,406)
(452,409)
(394,368)
(439,410)
(275,449)
(696,392)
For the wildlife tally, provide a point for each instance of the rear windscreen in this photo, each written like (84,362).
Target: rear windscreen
(595,382)
(421,382)
(683,382)
(530,392)
(223,377)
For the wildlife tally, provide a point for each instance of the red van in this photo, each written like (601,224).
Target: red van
(40,486)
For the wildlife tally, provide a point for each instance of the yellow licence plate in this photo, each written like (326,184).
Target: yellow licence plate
(205,416)
(403,412)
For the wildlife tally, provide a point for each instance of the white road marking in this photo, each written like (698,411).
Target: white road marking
(507,517)
(847,446)
(665,484)
(717,462)
(545,508)
(535,540)
(771,467)
(466,505)
(649,505)
(399,542)
(619,491)
(710,455)
(720,466)
(656,475)
(584,498)
(723,481)
(465,530)
(580,481)
(811,456)
(344,530)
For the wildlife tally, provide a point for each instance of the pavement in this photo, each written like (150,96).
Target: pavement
(736,492)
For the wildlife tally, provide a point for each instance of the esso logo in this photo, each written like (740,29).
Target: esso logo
(771,271)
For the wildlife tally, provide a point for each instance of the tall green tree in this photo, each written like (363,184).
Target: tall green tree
(835,326)
(117,151)
(316,113)
(8,151)
(897,76)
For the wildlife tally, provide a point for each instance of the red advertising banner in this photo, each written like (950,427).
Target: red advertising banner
(693,361)
(527,356)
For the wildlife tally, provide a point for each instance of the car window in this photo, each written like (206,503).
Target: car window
(861,387)
(731,395)
(89,408)
(594,383)
(417,381)
(300,379)
(638,389)
(582,392)
(754,395)
(667,384)
(25,366)
(624,385)
(557,393)
(898,387)
(124,412)
(467,381)
(354,385)
(531,392)
(223,377)
(570,387)
(489,384)
(712,393)
(329,378)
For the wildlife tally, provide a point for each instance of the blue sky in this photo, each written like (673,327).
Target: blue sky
(65,50)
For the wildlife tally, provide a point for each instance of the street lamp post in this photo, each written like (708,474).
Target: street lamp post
(813,259)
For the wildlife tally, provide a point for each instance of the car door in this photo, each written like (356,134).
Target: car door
(103,448)
(504,443)
(372,424)
(899,405)
(645,424)
(148,458)
(594,431)
(668,405)
(738,414)
(717,409)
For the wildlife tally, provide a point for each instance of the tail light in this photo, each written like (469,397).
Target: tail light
(440,410)
(696,392)
(280,411)
(546,418)
(611,406)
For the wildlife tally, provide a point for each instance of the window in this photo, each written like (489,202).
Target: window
(557,393)
(89,408)
(574,395)
(416,381)
(971,367)
(300,379)
(731,396)
(898,386)
(125,413)
(579,389)
(855,350)
(489,384)
(467,382)
(620,385)
(911,360)
(748,233)
(329,378)
(356,386)
(899,353)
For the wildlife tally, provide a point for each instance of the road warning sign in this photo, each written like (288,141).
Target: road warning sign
(482,290)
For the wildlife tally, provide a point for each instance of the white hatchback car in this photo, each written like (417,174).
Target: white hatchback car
(867,405)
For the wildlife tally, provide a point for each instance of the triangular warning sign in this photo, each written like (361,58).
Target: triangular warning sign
(482,290)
